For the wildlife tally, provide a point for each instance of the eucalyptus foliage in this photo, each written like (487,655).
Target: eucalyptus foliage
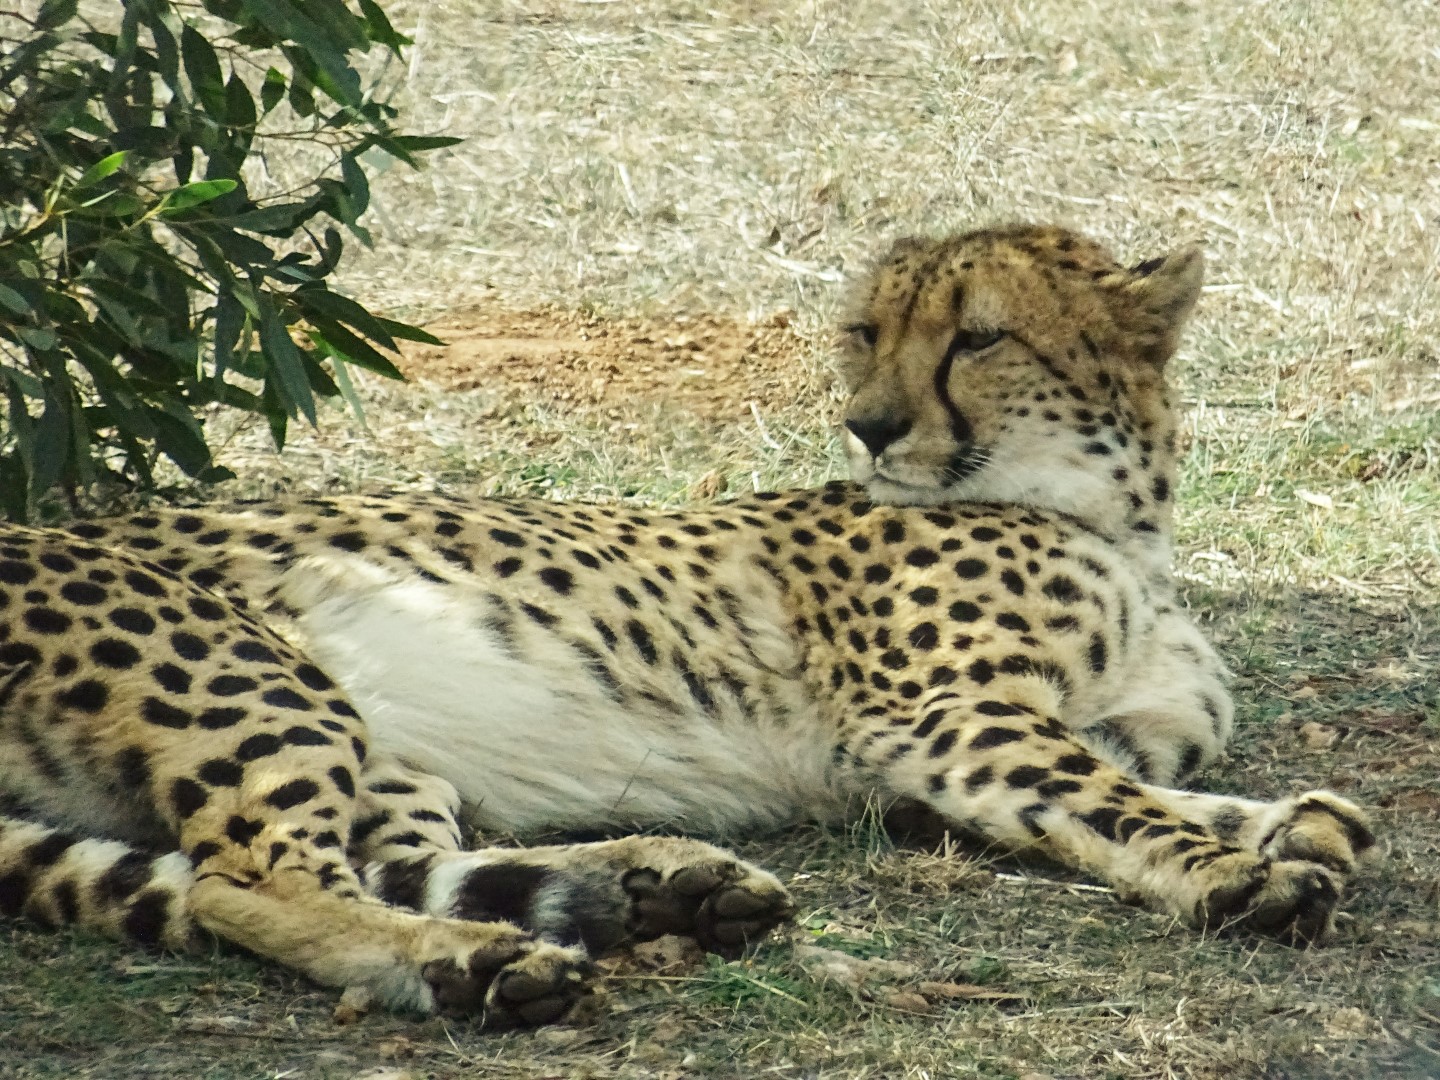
(141,281)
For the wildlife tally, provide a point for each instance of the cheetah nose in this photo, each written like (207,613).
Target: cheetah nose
(878,433)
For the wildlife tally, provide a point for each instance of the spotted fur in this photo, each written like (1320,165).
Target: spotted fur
(983,623)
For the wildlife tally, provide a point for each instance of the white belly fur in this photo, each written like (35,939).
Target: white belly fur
(531,741)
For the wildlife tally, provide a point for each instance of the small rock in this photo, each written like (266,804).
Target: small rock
(354,1003)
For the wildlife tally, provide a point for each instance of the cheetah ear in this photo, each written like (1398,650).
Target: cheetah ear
(1157,296)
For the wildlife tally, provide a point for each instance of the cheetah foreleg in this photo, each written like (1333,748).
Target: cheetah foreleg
(1006,768)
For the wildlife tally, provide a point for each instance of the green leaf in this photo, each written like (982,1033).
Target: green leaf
(285,363)
(229,325)
(203,68)
(180,439)
(354,349)
(240,107)
(102,168)
(13,300)
(412,143)
(380,28)
(55,13)
(272,90)
(347,390)
(406,332)
(320,300)
(192,195)
(51,448)
(335,76)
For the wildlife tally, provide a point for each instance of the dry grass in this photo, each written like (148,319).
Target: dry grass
(629,164)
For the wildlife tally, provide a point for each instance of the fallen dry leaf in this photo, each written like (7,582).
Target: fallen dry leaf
(949,991)
(669,952)
(908,1000)
(354,1003)
(1350,1023)
(1319,736)
(836,966)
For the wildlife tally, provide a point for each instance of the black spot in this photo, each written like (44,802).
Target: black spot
(1000,708)
(188,646)
(313,677)
(13,572)
(83,593)
(1026,776)
(1103,820)
(562,581)
(922,557)
(163,714)
(231,685)
(254,652)
(343,781)
(893,532)
(508,567)
(1013,581)
(944,743)
(126,876)
(978,778)
(221,772)
(133,620)
(241,830)
(642,641)
(1097,653)
(925,636)
(509,539)
(188,797)
(87,696)
(216,718)
(392,787)
(46,621)
(992,737)
(964,611)
(300,735)
(839,567)
(112,653)
(969,569)
(1076,764)
(258,746)
(202,607)
(283,697)
(981,671)
(1063,589)
(292,794)
(145,921)
(172,678)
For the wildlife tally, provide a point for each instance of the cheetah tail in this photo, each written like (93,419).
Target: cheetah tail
(58,879)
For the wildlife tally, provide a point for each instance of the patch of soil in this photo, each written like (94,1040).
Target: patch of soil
(708,365)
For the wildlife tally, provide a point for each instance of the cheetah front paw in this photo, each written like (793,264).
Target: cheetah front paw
(1290,900)
(1321,828)
(529,984)
(724,903)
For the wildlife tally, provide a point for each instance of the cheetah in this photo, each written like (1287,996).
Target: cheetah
(273,722)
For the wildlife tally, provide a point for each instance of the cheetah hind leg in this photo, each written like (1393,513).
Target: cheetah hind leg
(601,896)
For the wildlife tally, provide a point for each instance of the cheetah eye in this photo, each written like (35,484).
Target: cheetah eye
(975,340)
(866,332)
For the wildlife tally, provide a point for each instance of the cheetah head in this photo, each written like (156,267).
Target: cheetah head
(1021,365)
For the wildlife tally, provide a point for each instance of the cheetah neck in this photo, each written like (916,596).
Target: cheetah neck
(1134,514)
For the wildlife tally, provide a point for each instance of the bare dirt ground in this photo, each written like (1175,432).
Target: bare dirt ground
(637,256)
